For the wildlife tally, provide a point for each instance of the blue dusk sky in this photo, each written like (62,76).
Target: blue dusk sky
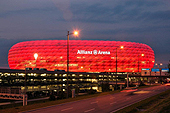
(142,21)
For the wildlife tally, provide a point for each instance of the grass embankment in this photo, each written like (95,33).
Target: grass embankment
(157,104)
(15,108)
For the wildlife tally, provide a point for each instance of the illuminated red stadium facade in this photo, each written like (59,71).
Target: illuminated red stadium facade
(84,56)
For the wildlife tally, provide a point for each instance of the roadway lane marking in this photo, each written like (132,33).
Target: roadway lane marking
(113,103)
(145,97)
(67,109)
(89,110)
(94,102)
(112,97)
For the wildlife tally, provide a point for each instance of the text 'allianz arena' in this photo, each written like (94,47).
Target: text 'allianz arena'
(84,56)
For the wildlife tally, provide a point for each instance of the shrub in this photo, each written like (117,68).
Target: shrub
(105,87)
(61,95)
(91,91)
(52,97)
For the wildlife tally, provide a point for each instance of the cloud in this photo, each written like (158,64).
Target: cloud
(11,5)
(144,21)
(5,45)
(124,11)
(157,16)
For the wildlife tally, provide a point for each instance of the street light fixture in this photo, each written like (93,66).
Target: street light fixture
(25,89)
(158,64)
(121,47)
(138,59)
(160,69)
(25,81)
(35,56)
(150,70)
(68,33)
(25,84)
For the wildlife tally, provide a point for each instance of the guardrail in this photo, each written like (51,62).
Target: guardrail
(14,97)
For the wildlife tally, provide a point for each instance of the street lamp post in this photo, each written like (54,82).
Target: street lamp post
(159,69)
(150,69)
(121,47)
(25,80)
(68,33)
(138,60)
(138,63)
(25,90)
(149,72)
(127,80)
(158,64)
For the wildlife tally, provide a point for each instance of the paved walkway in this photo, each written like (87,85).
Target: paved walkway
(6,103)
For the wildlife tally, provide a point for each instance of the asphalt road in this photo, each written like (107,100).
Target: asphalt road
(103,104)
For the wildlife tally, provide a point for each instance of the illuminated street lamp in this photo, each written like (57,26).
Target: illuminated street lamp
(25,90)
(158,64)
(121,47)
(127,80)
(68,33)
(138,60)
(160,70)
(150,70)
(35,56)
(25,84)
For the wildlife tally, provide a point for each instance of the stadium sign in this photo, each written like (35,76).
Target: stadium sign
(95,52)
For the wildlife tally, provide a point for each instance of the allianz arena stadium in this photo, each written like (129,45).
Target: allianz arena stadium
(84,55)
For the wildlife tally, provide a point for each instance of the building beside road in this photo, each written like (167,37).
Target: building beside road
(42,65)
(44,80)
(84,56)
